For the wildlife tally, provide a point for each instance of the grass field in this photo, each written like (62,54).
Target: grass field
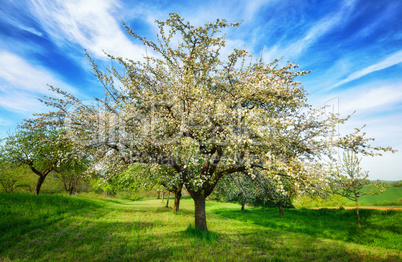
(62,228)
(393,194)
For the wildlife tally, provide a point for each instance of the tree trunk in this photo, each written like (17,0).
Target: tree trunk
(358,215)
(199,212)
(177,196)
(76,186)
(159,195)
(163,197)
(39,184)
(167,201)
(242,206)
(280,208)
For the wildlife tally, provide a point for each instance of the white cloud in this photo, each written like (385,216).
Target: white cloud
(21,82)
(389,61)
(371,99)
(91,23)
(378,107)
(20,74)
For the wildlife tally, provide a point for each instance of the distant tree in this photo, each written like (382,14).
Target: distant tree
(42,149)
(159,177)
(236,188)
(72,173)
(10,176)
(349,181)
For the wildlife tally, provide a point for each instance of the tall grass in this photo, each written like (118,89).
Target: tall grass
(21,213)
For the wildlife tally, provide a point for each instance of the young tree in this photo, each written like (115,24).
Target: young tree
(204,115)
(349,181)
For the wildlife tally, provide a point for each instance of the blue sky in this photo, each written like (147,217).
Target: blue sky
(354,49)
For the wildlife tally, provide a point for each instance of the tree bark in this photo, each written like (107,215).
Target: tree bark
(163,197)
(199,212)
(167,201)
(177,196)
(242,206)
(358,215)
(39,184)
(280,208)
(70,192)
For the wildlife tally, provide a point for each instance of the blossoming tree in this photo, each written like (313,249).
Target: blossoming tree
(204,115)
(43,149)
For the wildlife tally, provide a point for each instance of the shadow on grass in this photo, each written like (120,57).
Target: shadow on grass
(379,228)
(141,241)
(205,237)
(146,232)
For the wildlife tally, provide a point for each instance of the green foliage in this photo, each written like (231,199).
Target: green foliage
(308,201)
(396,183)
(15,178)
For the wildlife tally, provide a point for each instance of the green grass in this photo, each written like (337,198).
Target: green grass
(21,213)
(379,228)
(123,230)
(393,194)
(391,197)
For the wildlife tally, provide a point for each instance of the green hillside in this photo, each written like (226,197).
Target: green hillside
(393,194)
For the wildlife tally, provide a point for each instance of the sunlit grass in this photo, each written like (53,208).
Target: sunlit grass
(124,230)
(379,228)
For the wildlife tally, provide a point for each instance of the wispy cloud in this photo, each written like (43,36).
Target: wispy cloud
(389,61)
(22,75)
(4,122)
(91,24)
(253,7)
(318,30)
(21,82)
(371,99)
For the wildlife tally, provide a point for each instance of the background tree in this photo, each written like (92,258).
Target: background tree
(72,173)
(351,182)
(162,178)
(10,176)
(236,188)
(204,115)
(42,149)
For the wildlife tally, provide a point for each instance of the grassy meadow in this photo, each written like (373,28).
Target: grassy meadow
(393,196)
(74,228)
